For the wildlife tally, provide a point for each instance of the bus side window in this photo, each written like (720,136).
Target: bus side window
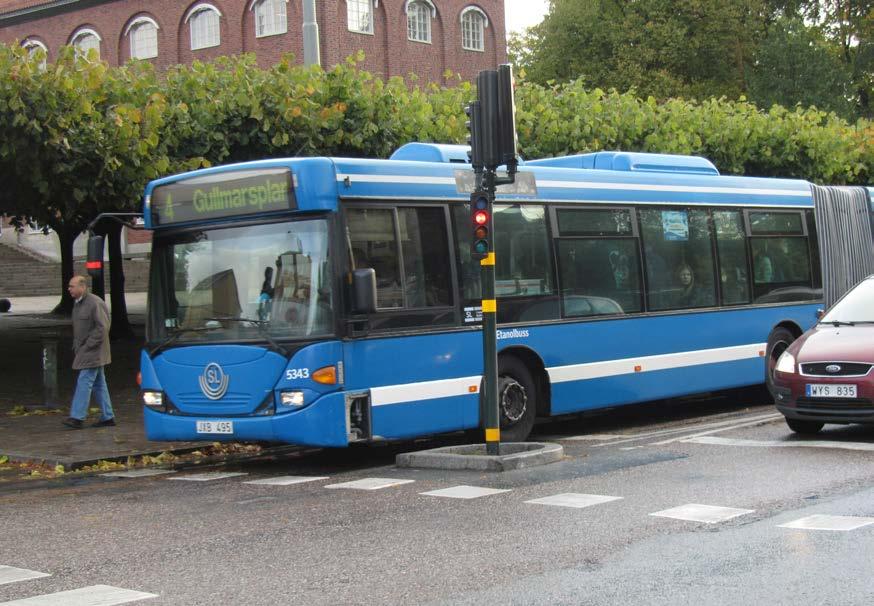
(732,250)
(598,262)
(679,258)
(372,233)
(523,271)
(781,257)
(425,248)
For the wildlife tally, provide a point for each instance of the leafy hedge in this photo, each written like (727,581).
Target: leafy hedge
(231,110)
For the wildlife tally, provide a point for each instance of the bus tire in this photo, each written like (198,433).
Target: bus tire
(805,428)
(517,399)
(778,341)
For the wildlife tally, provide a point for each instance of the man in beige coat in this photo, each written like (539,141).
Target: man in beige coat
(91,354)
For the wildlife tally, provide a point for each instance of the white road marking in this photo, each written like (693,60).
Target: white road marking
(757,421)
(95,595)
(693,428)
(709,514)
(10,574)
(209,476)
(784,444)
(285,480)
(370,483)
(138,473)
(574,499)
(464,492)
(826,522)
(599,437)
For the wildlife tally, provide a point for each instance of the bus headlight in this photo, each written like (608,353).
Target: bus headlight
(291,398)
(154,399)
(786,363)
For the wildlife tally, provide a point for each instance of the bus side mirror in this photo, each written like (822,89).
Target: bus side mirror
(94,263)
(364,291)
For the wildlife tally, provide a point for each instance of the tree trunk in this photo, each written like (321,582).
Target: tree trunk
(121,328)
(66,239)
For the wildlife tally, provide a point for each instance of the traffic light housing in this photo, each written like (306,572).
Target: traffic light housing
(481,224)
(475,138)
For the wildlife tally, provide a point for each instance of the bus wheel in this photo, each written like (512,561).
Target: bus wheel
(517,400)
(778,341)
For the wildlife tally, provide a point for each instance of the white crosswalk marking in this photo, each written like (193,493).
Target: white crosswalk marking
(574,499)
(208,476)
(370,483)
(285,480)
(95,595)
(825,522)
(10,574)
(464,492)
(709,514)
(138,473)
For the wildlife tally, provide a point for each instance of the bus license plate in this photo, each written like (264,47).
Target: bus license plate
(831,391)
(215,427)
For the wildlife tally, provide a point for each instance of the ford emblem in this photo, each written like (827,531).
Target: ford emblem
(833,368)
(214,381)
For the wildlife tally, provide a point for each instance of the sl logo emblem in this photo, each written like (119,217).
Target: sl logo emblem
(214,381)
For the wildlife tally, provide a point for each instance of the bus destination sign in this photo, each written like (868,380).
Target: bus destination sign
(231,194)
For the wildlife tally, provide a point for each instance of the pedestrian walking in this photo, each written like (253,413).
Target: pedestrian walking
(91,354)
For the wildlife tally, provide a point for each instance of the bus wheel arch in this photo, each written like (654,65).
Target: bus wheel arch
(780,338)
(523,392)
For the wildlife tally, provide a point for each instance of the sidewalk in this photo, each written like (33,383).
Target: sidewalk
(28,335)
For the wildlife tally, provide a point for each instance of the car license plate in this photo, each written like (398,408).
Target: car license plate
(215,427)
(831,391)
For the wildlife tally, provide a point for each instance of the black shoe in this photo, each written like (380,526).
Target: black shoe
(74,423)
(105,423)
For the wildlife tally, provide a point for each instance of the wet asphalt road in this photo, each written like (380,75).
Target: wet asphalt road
(228,542)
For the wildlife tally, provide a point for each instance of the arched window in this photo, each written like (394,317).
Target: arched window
(143,32)
(360,15)
(270,17)
(205,27)
(473,24)
(419,14)
(84,40)
(33,47)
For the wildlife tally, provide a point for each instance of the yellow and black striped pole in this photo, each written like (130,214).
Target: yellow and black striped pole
(490,325)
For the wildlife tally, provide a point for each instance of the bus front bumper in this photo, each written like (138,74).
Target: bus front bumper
(322,423)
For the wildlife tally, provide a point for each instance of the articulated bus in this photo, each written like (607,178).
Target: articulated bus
(328,301)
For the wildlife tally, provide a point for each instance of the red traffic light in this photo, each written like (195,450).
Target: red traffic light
(481,217)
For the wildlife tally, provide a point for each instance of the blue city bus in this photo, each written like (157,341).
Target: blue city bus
(329,301)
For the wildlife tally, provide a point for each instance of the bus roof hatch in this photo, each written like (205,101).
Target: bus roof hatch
(633,162)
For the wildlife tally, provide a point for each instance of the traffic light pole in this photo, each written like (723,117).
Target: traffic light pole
(492,144)
(490,331)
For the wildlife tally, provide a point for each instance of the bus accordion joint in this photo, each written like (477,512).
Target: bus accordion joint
(326,375)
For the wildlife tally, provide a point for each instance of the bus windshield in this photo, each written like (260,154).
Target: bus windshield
(262,281)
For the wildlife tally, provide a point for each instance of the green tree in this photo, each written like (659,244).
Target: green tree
(795,64)
(663,48)
(76,139)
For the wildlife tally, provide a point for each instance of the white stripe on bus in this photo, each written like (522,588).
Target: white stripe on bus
(426,390)
(398,179)
(447,388)
(626,366)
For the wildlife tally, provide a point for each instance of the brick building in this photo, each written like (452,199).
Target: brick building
(399,37)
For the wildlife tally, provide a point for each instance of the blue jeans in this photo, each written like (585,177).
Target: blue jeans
(91,380)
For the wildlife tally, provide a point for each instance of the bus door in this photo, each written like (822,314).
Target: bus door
(418,368)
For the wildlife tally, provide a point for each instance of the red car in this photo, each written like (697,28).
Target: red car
(826,376)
